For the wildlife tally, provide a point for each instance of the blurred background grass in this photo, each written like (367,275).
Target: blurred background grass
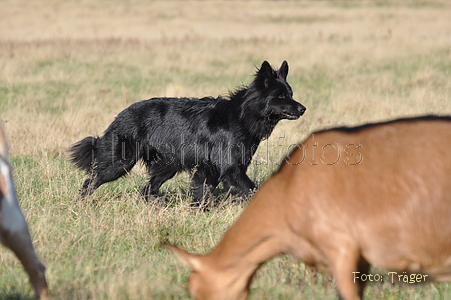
(67,68)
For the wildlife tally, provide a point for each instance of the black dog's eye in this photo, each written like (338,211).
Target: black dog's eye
(281,96)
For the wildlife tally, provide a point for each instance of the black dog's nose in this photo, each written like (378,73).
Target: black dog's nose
(301,109)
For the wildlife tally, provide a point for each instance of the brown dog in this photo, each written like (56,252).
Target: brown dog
(346,198)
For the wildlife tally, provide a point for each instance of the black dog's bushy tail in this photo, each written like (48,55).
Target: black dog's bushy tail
(83,153)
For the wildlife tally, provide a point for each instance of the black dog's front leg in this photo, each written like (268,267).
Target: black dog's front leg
(238,183)
(204,181)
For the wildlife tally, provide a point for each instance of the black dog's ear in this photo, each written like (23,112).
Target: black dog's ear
(283,71)
(265,73)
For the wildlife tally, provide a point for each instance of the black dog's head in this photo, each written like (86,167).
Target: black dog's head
(273,87)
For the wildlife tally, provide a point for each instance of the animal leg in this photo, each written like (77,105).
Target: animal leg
(89,186)
(101,176)
(346,261)
(238,183)
(158,175)
(20,243)
(202,185)
(114,157)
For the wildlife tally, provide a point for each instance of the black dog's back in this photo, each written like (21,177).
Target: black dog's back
(214,137)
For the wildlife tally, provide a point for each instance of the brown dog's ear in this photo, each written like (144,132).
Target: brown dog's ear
(283,71)
(265,73)
(193,261)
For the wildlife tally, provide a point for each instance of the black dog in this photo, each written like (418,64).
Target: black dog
(213,137)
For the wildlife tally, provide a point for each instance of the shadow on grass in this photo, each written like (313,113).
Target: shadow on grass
(15,296)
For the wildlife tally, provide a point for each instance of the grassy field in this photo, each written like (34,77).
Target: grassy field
(67,68)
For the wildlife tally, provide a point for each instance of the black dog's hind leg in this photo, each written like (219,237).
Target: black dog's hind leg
(203,182)
(114,158)
(104,175)
(238,183)
(88,187)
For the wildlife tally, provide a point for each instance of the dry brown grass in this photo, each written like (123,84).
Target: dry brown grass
(75,45)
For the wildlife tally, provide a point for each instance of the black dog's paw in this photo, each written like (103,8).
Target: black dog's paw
(154,200)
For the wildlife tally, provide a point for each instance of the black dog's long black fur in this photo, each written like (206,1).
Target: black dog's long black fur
(215,138)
